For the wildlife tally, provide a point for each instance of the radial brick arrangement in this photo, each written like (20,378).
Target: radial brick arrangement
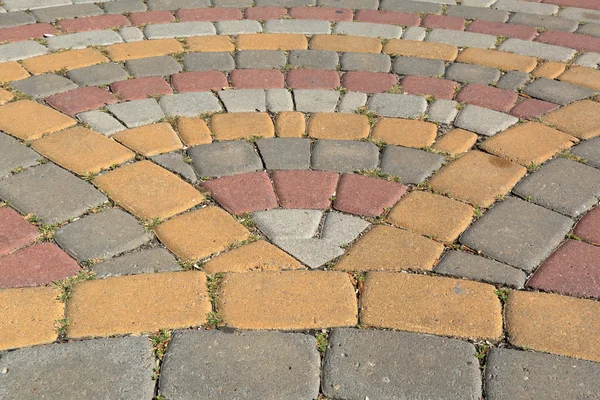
(300,199)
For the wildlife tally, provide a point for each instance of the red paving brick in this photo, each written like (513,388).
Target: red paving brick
(440,88)
(589,227)
(322,13)
(15,231)
(368,82)
(199,81)
(95,23)
(573,270)
(312,79)
(243,193)
(256,79)
(265,13)
(444,22)
(487,97)
(532,108)
(589,4)
(36,265)
(20,33)
(388,17)
(572,40)
(208,14)
(140,88)
(151,17)
(80,100)
(363,195)
(501,29)
(305,189)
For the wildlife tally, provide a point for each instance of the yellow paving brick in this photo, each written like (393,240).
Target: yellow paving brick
(12,71)
(549,69)
(387,248)
(581,119)
(241,125)
(143,49)
(28,316)
(210,43)
(346,43)
(338,126)
(271,41)
(497,59)
(456,141)
(528,143)
(477,178)
(290,124)
(193,131)
(17,120)
(138,304)
(413,48)
(150,140)
(5,96)
(435,305)
(256,256)
(405,132)
(81,150)
(148,191)
(432,215)
(581,76)
(201,233)
(64,60)
(555,324)
(290,300)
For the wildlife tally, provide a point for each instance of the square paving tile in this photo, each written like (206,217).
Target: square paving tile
(285,153)
(40,86)
(224,158)
(15,119)
(581,119)
(410,165)
(13,155)
(344,155)
(150,140)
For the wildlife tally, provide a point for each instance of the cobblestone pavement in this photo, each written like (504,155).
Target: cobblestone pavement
(299,199)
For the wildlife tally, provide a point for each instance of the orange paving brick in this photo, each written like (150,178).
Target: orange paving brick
(497,59)
(150,140)
(64,60)
(456,141)
(528,143)
(581,76)
(549,69)
(346,43)
(405,132)
(12,71)
(143,49)
(271,41)
(427,304)
(387,248)
(28,316)
(201,233)
(290,300)
(138,304)
(338,126)
(5,96)
(241,125)
(148,191)
(290,124)
(210,43)
(16,120)
(432,215)
(555,324)
(477,178)
(581,119)
(413,48)
(193,131)
(82,150)
(256,256)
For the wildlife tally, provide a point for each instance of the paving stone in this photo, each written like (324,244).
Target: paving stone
(388,17)
(578,119)
(279,100)
(341,229)
(365,62)
(346,43)
(101,122)
(238,27)
(467,73)
(219,61)
(179,29)
(285,3)
(189,104)
(285,153)
(444,22)
(79,100)
(14,120)
(243,193)
(177,4)
(538,50)
(312,252)
(410,165)
(51,14)
(131,34)
(41,86)
(409,6)
(397,105)
(487,97)
(288,223)
(15,18)
(312,79)
(544,21)
(412,48)
(124,6)
(322,13)
(484,121)
(369,82)
(363,195)
(304,189)
(586,77)
(243,100)
(137,112)
(579,14)
(267,41)
(532,108)
(498,59)
(502,29)
(241,126)
(404,132)
(82,40)
(256,79)
(590,29)
(352,4)
(151,17)
(368,29)
(93,23)
(351,102)
(455,142)
(514,80)
(290,124)
(20,50)
(17,5)
(470,12)
(344,155)
(573,40)
(14,155)
(557,92)
(207,14)
(150,140)
(225,158)
(305,27)
(199,81)
(526,7)
(311,101)
(12,71)
(442,111)
(15,231)
(193,131)
(317,59)
(141,88)
(256,256)
(587,228)
(210,44)
(175,162)
(388,376)
(257,59)
(423,85)
(153,66)
(24,32)
(589,151)
(264,13)
(97,75)
(338,126)
(414,33)
(462,39)
(137,262)
(418,66)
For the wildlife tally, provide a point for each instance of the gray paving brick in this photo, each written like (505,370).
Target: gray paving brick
(477,3)
(517,233)
(526,7)
(410,165)
(462,39)
(513,80)
(462,264)
(580,14)
(562,185)
(399,365)
(179,29)
(153,66)
(17,18)
(131,34)
(384,31)
(14,155)
(318,59)
(18,5)
(285,3)
(238,27)
(41,86)
(289,366)
(175,162)
(279,100)
(397,105)
(588,60)
(442,111)
(352,4)
(189,104)
(81,40)
(414,33)
(312,252)
(137,112)
(260,59)
(284,153)
(244,100)
(177,4)
(310,101)
(214,61)
(414,66)
(124,6)
(97,75)
(344,155)
(585,29)
(487,14)
(283,223)
(410,6)
(233,3)
(537,49)
(225,158)
(101,122)
(589,150)
(303,26)
(366,62)
(470,73)
(544,21)
(21,50)
(143,261)
(351,102)
(484,121)
(34,191)
(51,14)
(557,92)
(341,229)
(100,368)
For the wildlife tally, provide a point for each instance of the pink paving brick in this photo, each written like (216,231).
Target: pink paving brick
(208,14)
(440,88)
(589,4)
(20,33)
(572,40)
(589,227)
(93,23)
(573,270)
(15,231)
(322,13)
(140,88)
(532,108)
(243,193)
(151,17)
(80,100)
(444,22)
(487,97)
(312,79)
(199,81)
(305,189)
(387,17)
(368,82)
(256,79)
(36,265)
(501,29)
(363,195)
(265,13)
